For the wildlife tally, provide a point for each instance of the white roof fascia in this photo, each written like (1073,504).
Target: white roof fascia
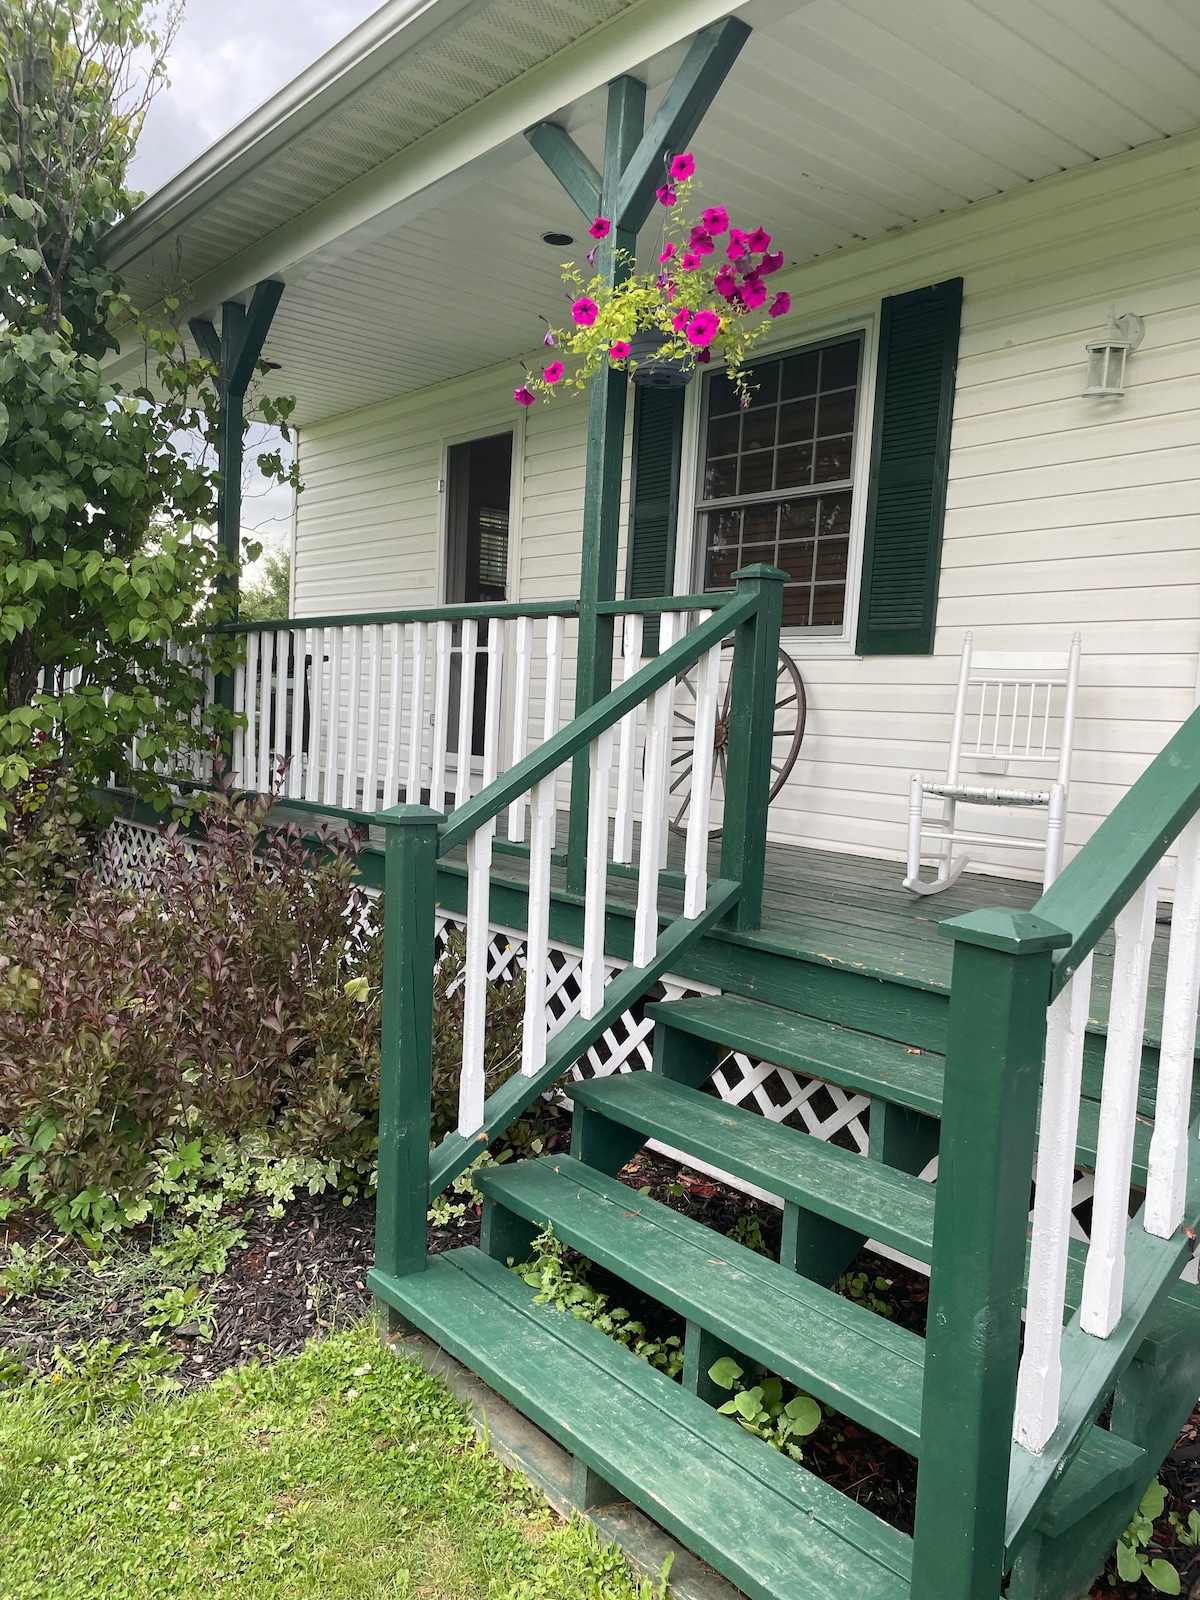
(463,151)
(398,30)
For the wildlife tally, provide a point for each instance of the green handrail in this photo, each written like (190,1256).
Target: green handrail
(1117,859)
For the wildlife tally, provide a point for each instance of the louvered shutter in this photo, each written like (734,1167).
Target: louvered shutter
(910,463)
(654,499)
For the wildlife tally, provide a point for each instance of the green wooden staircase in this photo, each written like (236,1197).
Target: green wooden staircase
(1035,1519)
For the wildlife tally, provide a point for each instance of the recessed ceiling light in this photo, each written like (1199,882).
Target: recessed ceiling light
(558,240)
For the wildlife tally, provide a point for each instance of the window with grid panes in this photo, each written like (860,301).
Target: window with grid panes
(777,478)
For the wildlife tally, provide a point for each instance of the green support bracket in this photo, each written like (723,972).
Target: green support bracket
(1000,986)
(406,1055)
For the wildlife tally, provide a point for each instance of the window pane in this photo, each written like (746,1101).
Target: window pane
(767,461)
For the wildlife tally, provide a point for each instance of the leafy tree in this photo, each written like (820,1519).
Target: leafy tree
(267,596)
(111,578)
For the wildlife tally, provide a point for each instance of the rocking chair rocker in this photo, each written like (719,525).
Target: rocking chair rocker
(1020,710)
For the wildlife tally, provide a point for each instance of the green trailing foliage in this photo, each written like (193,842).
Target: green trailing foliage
(1132,1553)
(111,579)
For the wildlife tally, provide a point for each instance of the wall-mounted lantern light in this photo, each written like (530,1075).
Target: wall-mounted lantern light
(1107,356)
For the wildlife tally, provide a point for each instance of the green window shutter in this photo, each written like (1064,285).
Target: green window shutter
(910,464)
(654,499)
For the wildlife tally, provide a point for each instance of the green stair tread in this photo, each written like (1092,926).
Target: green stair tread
(853,1060)
(763,1521)
(813,1048)
(859,1363)
(1105,1465)
(889,1205)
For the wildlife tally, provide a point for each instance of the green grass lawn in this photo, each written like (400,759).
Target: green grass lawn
(345,1473)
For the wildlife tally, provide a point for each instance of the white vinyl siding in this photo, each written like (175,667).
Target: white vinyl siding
(1063,513)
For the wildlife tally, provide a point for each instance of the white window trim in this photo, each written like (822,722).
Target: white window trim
(689,558)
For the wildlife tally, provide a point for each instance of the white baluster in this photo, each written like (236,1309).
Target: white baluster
(416,712)
(266,662)
(1104,1274)
(537,938)
(316,714)
(1166,1184)
(520,727)
(472,1088)
(595,897)
(353,720)
(441,713)
(654,808)
(395,722)
(552,710)
(370,791)
(241,705)
(279,707)
(493,701)
(333,750)
(251,741)
(1040,1377)
(295,775)
(631,654)
(466,711)
(708,677)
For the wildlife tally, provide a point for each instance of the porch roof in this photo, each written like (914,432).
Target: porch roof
(392,191)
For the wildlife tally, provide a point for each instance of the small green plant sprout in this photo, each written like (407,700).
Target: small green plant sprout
(866,1291)
(200,1249)
(748,1230)
(177,1310)
(1132,1561)
(762,1411)
(559,1283)
(1187,1533)
(28,1272)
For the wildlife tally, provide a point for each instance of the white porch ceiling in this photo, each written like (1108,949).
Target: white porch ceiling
(842,119)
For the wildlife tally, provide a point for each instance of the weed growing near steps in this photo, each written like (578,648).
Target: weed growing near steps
(1134,1559)
(344,1472)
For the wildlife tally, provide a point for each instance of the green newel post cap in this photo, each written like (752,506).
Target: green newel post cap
(1022,932)
(760,569)
(408,816)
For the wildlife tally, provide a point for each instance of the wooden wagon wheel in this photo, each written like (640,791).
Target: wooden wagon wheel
(791,710)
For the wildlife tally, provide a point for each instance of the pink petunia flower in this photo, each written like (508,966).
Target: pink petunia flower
(703,328)
(689,261)
(682,167)
(619,351)
(781,304)
(585,312)
(725,282)
(665,195)
(737,246)
(524,395)
(681,319)
(668,252)
(754,293)
(759,241)
(702,243)
(553,372)
(601,228)
(771,263)
(716,219)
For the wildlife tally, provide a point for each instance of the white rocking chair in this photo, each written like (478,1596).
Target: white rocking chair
(1013,709)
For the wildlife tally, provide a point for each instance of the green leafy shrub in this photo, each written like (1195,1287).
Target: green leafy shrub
(47,839)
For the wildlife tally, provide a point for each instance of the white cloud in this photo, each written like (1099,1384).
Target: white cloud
(230,56)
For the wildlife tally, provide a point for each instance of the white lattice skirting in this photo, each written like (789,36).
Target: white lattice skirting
(128,856)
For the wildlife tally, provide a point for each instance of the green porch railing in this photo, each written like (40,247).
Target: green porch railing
(1019,1010)
(417,837)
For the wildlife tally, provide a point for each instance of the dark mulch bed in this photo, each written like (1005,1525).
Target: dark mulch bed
(302,1273)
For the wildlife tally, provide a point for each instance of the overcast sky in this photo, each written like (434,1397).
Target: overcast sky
(228,57)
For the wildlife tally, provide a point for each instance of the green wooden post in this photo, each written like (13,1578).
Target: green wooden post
(406,1057)
(602,475)
(996,1034)
(748,754)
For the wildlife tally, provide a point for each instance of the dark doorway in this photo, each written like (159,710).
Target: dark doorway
(478,486)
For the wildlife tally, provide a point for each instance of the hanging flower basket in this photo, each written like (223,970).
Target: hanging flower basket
(707,296)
